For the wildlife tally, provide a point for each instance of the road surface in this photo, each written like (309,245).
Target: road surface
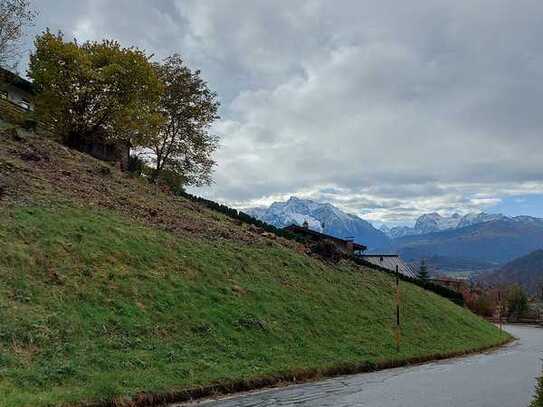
(503,378)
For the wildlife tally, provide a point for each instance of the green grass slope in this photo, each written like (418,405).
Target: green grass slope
(109,288)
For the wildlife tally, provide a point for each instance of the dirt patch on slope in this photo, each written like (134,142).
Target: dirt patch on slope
(36,170)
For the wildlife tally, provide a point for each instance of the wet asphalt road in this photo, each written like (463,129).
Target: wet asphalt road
(503,378)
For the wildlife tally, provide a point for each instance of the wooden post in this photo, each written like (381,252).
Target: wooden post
(500,309)
(398,331)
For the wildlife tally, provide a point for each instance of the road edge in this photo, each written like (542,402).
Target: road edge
(149,399)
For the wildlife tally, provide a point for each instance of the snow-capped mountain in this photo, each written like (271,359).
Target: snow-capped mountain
(322,217)
(434,222)
(396,231)
(476,218)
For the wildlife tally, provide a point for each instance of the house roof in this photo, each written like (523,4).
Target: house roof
(16,80)
(389,262)
(306,231)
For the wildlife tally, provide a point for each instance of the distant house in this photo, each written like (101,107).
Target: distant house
(15,93)
(346,246)
(16,99)
(390,262)
(102,150)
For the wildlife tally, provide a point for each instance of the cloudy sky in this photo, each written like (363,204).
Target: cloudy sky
(387,109)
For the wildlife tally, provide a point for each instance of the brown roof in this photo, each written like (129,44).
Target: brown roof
(302,230)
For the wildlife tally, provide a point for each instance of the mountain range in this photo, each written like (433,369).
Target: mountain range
(495,242)
(475,242)
(434,222)
(322,217)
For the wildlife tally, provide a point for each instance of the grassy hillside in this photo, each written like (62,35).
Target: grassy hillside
(109,288)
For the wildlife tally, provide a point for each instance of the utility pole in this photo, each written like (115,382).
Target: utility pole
(500,309)
(398,330)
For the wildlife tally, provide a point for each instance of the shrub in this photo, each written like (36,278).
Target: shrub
(483,305)
(517,303)
(538,402)
(326,249)
(30,123)
(136,165)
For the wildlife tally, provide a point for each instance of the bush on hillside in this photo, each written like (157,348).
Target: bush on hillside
(136,165)
(483,305)
(517,303)
(538,402)
(327,250)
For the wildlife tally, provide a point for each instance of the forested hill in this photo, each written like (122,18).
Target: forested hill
(526,271)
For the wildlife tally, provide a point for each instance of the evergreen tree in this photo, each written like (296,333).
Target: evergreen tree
(423,274)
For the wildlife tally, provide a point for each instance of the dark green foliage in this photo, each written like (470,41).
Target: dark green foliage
(136,165)
(538,402)
(517,302)
(30,122)
(423,274)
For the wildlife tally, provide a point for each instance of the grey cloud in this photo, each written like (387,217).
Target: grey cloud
(399,107)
